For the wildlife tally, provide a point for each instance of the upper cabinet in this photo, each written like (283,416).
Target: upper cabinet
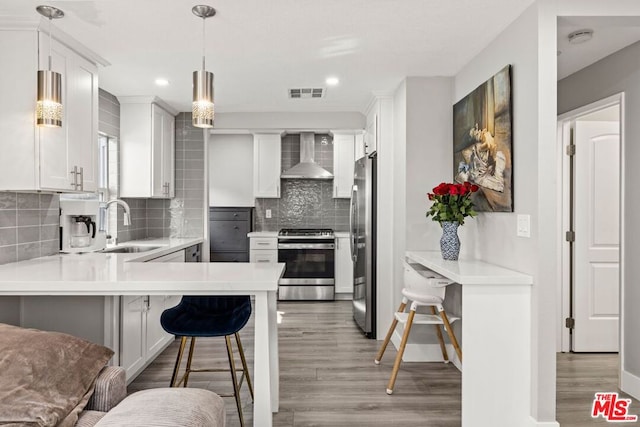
(343,163)
(147,148)
(47,159)
(266,165)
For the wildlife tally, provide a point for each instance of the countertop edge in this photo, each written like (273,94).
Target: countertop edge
(470,271)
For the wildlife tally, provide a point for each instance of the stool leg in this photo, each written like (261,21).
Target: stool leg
(236,389)
(189,359)
(403,344)
(244,364)
(174,377)
(452,336)
(445,356)
(389,333)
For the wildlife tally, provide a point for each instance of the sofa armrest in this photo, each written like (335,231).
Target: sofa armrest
(110,389)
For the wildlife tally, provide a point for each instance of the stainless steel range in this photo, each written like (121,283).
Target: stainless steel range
(309,255)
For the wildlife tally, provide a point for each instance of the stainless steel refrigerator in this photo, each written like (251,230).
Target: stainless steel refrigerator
(362,237)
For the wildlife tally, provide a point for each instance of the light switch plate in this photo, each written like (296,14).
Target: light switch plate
(524,225)
(267,213)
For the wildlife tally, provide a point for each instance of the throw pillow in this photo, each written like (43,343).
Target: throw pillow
(46,377)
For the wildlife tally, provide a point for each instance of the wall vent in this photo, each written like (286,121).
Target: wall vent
(306,93)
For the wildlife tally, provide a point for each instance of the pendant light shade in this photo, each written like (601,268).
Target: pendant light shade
(203,104)
(202,107)
(49,95)
(49,101)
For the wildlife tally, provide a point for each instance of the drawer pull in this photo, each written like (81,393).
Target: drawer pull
(263,243)
(263,260)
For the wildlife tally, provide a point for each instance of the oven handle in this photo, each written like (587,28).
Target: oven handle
(306,245)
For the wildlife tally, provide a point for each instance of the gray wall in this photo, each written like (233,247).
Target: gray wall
(304,203)
(619,72)
(29,225)
(190,177)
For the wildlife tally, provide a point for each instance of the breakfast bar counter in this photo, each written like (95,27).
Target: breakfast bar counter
(111,274)
(496,339)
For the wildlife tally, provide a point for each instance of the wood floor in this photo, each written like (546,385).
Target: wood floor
(579,377)
(328,378)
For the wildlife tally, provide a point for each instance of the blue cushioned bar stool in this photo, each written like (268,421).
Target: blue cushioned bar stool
(209,316)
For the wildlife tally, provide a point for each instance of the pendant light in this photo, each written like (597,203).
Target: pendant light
(49,98)
(202,107)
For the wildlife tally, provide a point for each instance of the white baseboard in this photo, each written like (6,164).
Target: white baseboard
(630,384)
(422,352)
(535,423)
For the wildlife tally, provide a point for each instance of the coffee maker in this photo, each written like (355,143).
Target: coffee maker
(78,225)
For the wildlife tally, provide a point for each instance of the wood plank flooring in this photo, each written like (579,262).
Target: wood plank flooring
(579,377)
(327,375)
(328,378)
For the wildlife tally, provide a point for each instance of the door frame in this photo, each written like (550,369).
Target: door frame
(563,342)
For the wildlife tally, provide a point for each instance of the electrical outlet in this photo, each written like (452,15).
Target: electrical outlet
(524,225)
(268,213)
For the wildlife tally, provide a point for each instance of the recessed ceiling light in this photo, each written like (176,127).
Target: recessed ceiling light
(580,36)
(162,82)
(332,81)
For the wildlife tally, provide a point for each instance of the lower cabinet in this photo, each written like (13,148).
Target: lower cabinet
(228,228)
(344,267)
(141,336)
(263,249)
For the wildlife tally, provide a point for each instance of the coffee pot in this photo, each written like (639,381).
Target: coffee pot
(83,229)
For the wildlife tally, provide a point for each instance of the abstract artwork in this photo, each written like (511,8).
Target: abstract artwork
(482,143)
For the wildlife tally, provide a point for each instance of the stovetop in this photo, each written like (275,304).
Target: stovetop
(307,232)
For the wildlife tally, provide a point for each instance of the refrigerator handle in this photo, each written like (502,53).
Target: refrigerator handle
(352,218)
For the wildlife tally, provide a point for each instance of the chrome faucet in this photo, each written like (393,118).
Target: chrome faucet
(127,210)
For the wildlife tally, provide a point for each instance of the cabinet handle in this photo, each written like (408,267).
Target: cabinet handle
(262,243)
(335,190)
(147,303)
(235,214)
(263,260)
(81,179)
(277,190)
(74,172)
(235,228)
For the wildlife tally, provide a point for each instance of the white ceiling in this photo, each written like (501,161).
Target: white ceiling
(610,34)
(258,49)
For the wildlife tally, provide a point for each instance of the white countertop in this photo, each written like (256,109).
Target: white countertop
(469,271)
(263,234)
(127,274)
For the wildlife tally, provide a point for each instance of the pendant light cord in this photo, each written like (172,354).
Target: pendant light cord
(50,19)
(203,67)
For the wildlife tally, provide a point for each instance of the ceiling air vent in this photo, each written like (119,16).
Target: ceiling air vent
(306,93)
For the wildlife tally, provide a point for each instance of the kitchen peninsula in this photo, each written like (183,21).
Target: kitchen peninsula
(114,274)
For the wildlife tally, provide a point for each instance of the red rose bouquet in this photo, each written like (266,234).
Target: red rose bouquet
(452,202)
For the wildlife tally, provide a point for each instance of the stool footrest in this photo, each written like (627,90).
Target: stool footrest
(424,319)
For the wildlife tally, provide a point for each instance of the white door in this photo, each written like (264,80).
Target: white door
(596,281)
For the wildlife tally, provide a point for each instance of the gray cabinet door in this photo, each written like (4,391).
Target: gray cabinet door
(229,235)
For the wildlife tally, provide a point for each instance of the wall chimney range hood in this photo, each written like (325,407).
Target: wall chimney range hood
(307,168)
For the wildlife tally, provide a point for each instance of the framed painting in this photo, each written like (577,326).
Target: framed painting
(482,143)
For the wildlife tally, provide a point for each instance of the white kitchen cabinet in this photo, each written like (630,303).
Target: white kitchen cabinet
(343,163)
(358,146)
(371,134)
(48,159)
(344,266)
(142,335)
(147,148)
(263,249)
(266,165)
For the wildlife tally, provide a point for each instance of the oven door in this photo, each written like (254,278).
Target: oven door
(307,263)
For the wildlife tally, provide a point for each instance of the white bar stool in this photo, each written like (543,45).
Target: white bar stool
(422,288)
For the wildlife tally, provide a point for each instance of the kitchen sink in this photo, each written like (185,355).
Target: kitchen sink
(129,249)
